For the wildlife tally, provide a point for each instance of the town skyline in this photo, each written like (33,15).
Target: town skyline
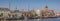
(36,4)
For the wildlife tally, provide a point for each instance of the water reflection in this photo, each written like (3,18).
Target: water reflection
(54,19)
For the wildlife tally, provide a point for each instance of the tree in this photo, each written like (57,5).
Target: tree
(1,14)
(9,15)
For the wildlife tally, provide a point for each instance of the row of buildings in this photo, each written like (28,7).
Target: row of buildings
(41,13)
(5,12)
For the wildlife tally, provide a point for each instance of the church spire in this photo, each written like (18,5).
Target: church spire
(46,7)
(16,7)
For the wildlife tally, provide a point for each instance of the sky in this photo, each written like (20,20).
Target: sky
(31,4)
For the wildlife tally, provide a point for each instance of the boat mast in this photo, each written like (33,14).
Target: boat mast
(9,4)
(28,6)
(16,7)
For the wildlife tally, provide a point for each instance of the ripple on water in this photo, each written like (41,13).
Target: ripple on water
(54,19)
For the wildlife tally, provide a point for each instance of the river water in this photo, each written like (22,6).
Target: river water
(53,19)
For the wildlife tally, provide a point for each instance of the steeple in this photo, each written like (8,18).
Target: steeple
(46,8)
(16,10)
(16,7)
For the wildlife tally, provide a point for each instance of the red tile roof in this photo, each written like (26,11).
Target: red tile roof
(47,10)
(57,12)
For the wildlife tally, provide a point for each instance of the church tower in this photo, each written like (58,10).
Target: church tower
(46,8)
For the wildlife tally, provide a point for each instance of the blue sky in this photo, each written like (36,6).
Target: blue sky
(36,4)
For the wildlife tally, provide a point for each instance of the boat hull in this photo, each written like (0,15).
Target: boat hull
(14,18)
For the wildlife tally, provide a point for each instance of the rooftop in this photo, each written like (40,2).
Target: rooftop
(5,9)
